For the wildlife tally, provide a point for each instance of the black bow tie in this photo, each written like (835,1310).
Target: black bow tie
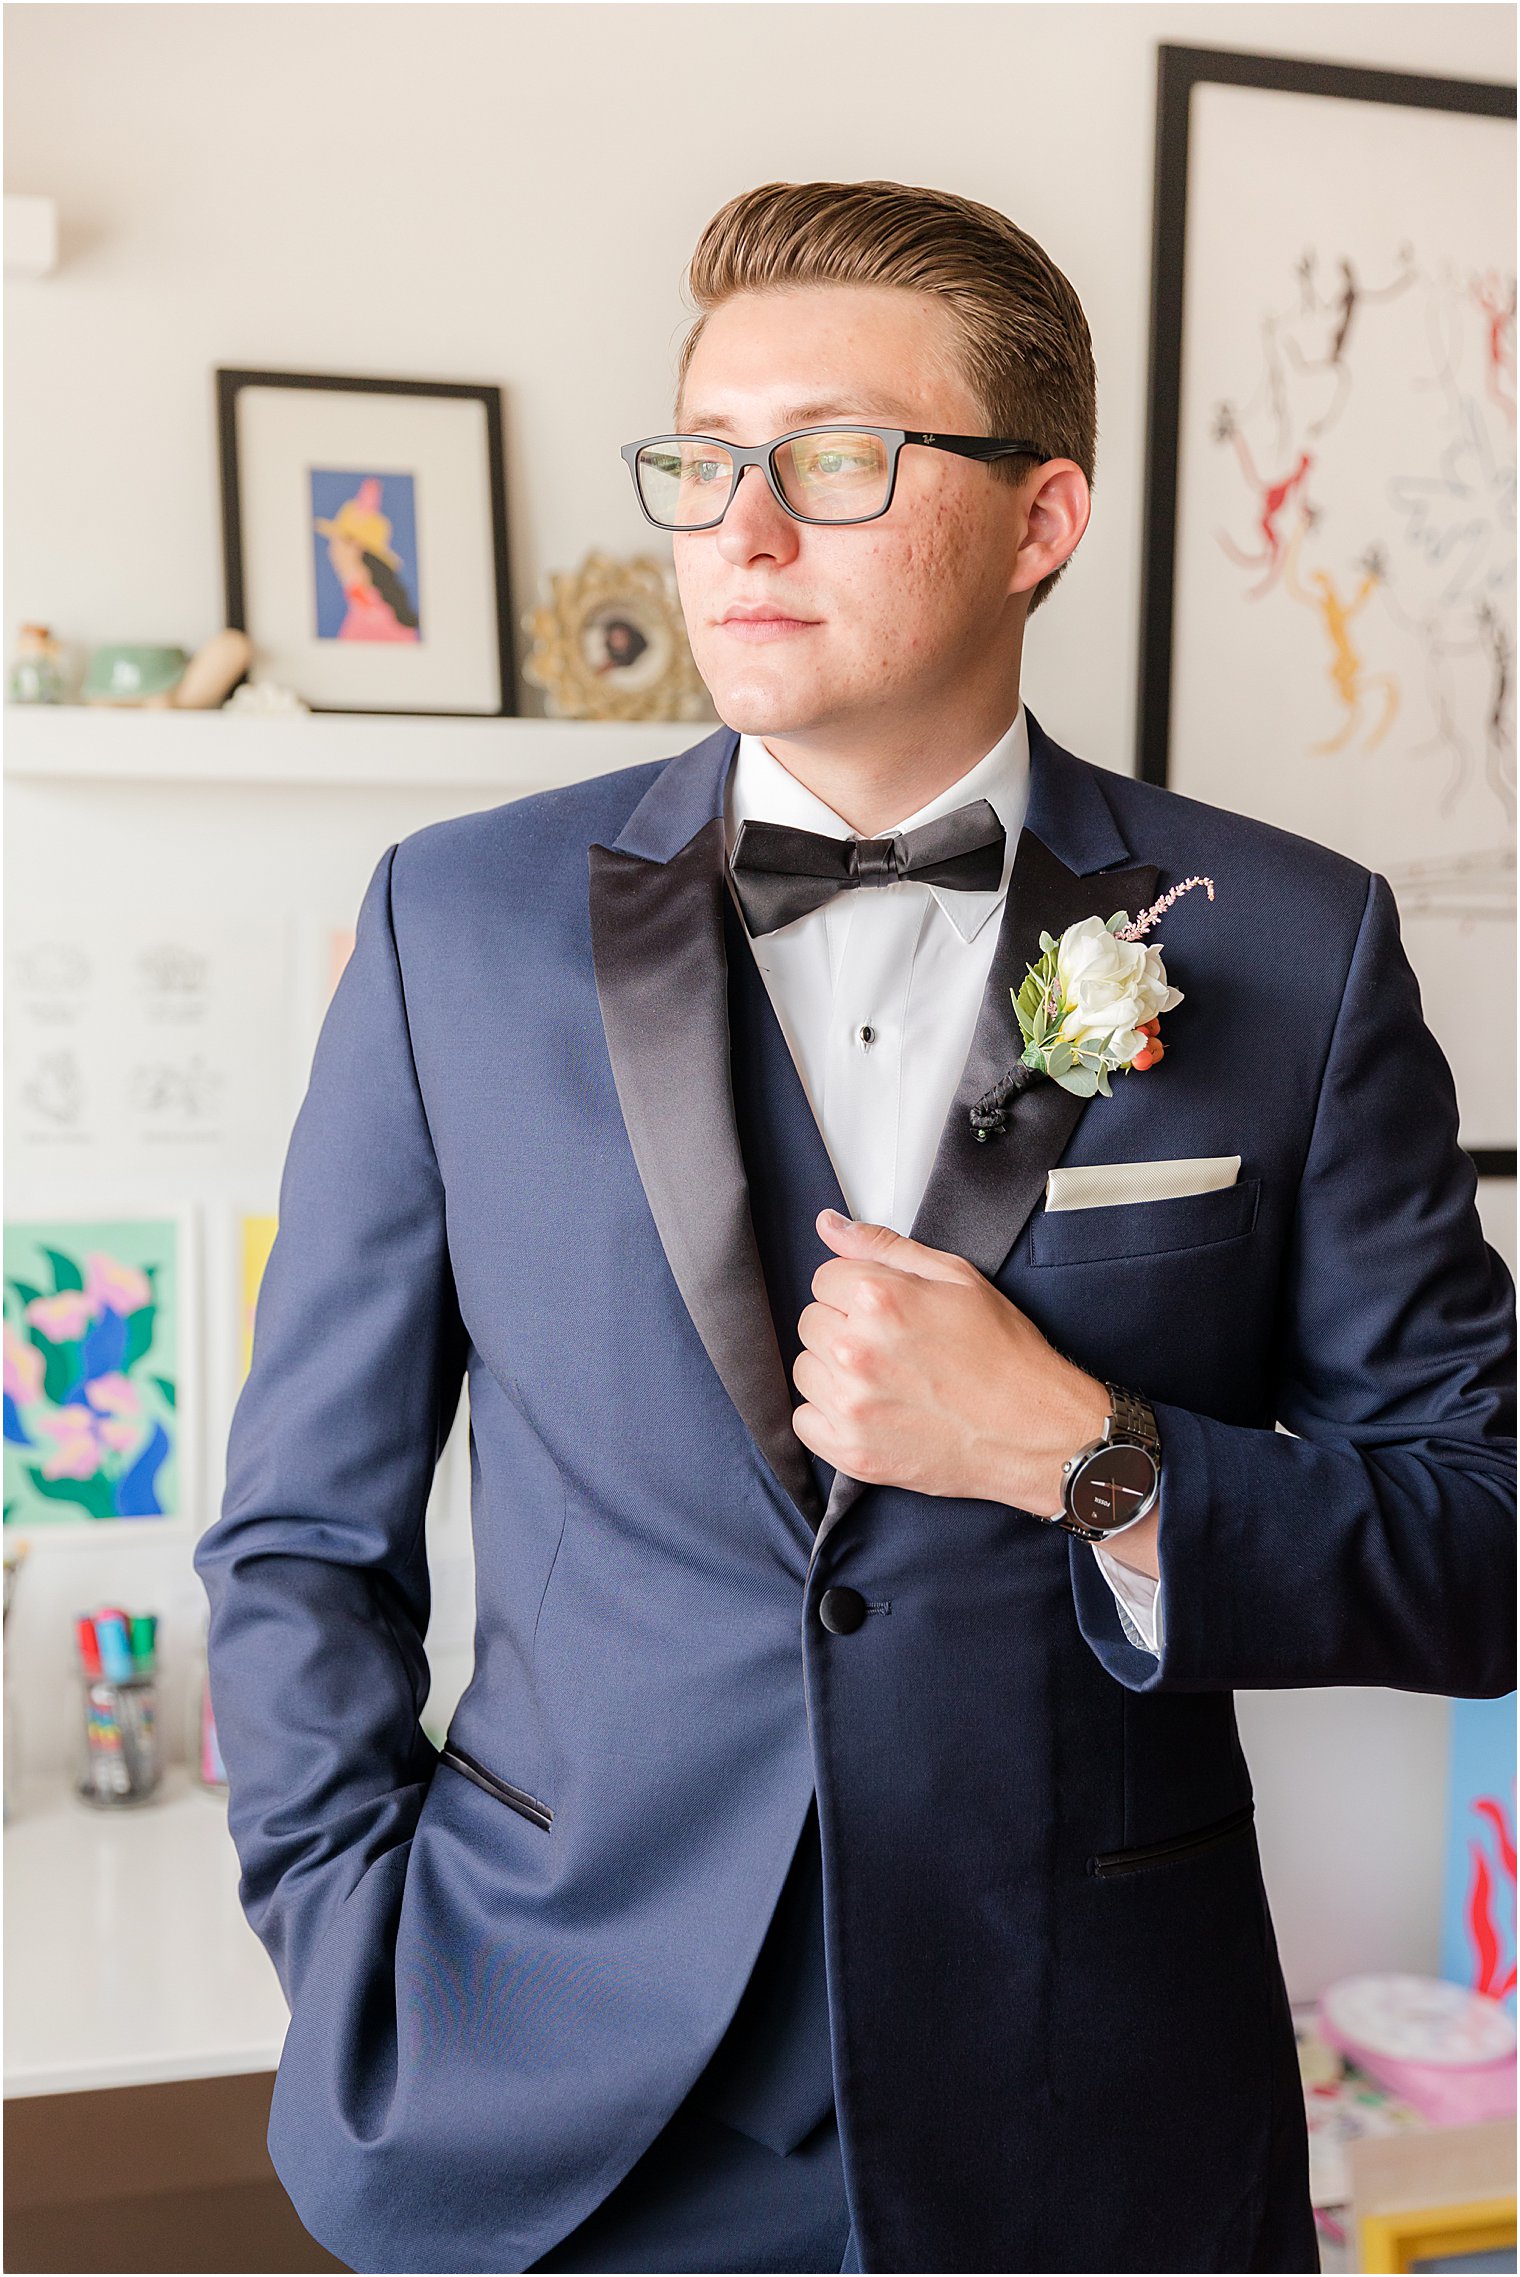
(780,873)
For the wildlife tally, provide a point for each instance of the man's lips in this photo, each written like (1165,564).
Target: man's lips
(765,627)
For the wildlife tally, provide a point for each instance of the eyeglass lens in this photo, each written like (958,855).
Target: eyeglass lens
(835,476)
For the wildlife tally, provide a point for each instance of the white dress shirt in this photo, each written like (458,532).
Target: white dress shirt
(889,976)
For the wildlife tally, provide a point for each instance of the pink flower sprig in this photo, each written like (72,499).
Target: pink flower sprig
(1147,917)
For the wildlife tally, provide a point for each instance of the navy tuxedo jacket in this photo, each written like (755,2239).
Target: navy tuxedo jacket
(1059,2031)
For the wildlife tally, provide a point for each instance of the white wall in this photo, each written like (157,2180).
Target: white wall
(508,193)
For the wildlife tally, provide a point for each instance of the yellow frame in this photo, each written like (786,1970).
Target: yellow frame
(1395,2239)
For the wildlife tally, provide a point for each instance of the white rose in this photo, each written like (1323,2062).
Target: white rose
(1110,987)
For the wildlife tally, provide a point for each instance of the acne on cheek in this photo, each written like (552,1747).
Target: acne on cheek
(931,558)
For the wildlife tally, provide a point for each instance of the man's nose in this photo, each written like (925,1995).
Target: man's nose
(770,515)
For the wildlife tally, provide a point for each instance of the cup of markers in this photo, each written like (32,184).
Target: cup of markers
(120,1760)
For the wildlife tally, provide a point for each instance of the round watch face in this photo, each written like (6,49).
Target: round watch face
(1111,1486)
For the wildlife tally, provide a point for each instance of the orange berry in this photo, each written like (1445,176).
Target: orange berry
(1151,1027)
(1142,1059)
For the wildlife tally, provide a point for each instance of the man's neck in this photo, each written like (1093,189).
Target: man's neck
(871,785)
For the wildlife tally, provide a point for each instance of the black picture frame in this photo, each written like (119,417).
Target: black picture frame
(1179,69)
(231,381)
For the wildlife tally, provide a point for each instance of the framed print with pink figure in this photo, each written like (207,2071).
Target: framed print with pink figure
(364,539)
(1328,588)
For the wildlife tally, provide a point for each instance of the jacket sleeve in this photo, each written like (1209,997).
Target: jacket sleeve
(316,1569)
(1371,1541)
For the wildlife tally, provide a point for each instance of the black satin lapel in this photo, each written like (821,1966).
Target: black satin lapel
(662,984)
(979,1194)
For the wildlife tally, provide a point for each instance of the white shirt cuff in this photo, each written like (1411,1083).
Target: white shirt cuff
(1138,1597)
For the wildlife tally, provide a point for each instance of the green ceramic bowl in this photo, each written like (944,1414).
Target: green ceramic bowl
(121,673)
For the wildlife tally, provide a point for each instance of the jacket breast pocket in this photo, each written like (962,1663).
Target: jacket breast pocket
(1144,1229)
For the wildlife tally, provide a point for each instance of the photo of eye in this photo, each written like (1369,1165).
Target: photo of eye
(615,641)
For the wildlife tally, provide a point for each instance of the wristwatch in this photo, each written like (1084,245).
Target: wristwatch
(1112,1483)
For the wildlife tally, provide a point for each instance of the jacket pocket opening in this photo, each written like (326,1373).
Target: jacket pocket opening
(516,1798)
(1177,1846)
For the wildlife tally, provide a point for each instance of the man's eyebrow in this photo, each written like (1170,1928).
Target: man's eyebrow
(802,414)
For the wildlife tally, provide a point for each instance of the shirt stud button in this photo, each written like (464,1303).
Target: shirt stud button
(867,1034)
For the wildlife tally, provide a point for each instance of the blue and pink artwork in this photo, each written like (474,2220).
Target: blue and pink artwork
(1478,1907)
(92,1370)
(364,539)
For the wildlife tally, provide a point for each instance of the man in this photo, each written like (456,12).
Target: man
(842,1856)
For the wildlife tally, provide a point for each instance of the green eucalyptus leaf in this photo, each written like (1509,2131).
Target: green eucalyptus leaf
(1103,1083)
(1081,1082)
(1047,944)
(1060,1057)
(1120,917)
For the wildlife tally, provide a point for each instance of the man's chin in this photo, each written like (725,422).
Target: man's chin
(753,710)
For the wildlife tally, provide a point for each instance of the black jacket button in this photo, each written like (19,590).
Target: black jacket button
(841,1610)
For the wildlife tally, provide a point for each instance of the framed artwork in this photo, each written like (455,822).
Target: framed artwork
(255,1240)
(364,540)
(1472,2235)
(611,643)
(101,1395)
(1478,1890)
(1328,589)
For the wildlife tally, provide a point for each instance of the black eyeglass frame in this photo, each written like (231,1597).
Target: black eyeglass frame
(762,455)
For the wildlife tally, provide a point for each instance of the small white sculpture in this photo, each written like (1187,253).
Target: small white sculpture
(265,696)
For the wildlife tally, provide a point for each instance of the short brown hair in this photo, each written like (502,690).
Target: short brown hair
(1025,350)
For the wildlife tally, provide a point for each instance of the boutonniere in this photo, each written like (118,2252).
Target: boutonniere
(1090,1007)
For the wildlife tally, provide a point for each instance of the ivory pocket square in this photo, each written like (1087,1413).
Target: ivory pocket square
(1098,1184)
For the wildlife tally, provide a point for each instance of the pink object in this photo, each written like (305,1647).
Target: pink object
(1147,917)
(1448,2052)
(371,617)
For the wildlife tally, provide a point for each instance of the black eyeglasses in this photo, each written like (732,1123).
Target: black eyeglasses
(818,474)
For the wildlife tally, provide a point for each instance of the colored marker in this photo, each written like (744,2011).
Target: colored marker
(89,1648)
(115,1651)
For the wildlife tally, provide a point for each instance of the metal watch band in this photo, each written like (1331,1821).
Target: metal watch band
(1131,1418)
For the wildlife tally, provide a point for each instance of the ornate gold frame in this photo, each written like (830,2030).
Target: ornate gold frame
(661,682)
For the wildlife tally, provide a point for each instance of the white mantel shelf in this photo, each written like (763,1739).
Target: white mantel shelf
(66,742)
(127,1955)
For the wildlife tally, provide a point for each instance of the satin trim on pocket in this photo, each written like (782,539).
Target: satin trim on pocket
(515,1797)
(1179,1846)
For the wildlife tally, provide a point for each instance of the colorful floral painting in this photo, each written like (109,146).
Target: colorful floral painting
(92,1374)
